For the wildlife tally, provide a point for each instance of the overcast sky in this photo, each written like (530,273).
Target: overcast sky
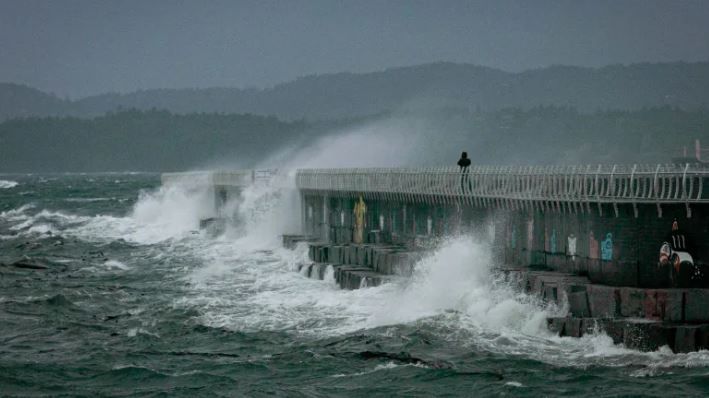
(76,48)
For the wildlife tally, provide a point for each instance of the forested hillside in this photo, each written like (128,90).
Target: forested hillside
(423,87)
(162,141)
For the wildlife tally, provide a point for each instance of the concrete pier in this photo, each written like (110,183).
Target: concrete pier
(627,247)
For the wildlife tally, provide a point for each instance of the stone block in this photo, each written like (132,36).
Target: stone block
(383,263)
(614,328)
(696,307)
(550,293)
(702,337)
(664,304)
(685,338)
(351,255)
(589,326)
(556,325)
(369,260)
(361,255)
(595,271)
(631,302)
(578,304)
(572,327)
(647,335)
(603,301)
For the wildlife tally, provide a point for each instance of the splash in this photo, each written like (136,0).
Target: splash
(458,277)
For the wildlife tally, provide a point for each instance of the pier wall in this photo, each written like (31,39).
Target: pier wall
(612,249)
(608,225)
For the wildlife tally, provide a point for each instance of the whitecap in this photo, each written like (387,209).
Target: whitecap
(7,184)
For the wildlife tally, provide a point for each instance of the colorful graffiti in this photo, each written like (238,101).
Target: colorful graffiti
(360,210)
(571,246)
(607,248)
(675,252)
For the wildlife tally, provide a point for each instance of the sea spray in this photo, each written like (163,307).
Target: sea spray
(459,276)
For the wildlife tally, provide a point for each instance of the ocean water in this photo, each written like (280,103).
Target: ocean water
(118,293)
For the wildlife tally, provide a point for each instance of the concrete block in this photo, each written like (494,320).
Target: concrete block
(664,304)
(578,304)
(603,301)
(572,327)
(589,325)
(685,338)
(369,251)
(631,302)
(334,255)
(351,255)
(696,307)
(390,260)
(595,272)
(556,325)
(550,293)
(614,328)
(405,265)
(361,255)
(537,284)
(702,337)
(646,335)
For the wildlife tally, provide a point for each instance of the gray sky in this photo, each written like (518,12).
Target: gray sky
(77,48)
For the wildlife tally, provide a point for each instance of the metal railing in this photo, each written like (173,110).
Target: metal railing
(557,187)
(235,178)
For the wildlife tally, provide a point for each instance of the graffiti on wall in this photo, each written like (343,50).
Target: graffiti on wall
(607,247)
(360,210)
(571,246)
(675,252)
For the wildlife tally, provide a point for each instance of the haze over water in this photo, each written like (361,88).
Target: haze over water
(131,299)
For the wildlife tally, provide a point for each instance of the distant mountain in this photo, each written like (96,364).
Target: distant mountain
(18,100)
(423,87)
(162,141)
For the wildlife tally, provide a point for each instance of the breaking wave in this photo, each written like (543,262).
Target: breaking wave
(7,184)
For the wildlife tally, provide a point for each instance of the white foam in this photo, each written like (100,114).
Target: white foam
(116,264)
(7,184)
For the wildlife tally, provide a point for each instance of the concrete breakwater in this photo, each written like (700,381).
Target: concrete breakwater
(644,319)
(356,266)
(624,248)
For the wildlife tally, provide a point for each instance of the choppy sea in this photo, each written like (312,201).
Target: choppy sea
(109,288)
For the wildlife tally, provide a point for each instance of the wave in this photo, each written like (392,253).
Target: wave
(168,213)
(7,184)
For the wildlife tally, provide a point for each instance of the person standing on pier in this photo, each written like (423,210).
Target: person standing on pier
(464,164)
